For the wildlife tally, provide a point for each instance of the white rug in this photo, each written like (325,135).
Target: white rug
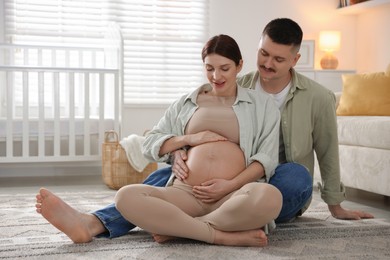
(24,234)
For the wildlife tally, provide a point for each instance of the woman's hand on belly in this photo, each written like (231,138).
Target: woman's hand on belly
(179,166)
(212,190)
(217,160)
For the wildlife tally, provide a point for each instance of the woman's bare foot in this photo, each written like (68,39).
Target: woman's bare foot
(255,237)
(79,227)
(162,238)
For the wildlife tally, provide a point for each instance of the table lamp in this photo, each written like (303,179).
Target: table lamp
(329,42)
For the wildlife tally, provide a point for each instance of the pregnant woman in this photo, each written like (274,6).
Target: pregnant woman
(231,135)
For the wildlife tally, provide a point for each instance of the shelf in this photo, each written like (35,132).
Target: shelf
(331,79)
(362,7)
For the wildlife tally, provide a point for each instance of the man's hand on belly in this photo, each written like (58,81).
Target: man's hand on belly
(212,190)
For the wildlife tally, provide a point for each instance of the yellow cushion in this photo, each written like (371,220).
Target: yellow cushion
(365,95)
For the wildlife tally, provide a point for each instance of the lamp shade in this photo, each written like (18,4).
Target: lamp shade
(329,41)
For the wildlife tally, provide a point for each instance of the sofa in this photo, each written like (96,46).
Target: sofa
(363,119)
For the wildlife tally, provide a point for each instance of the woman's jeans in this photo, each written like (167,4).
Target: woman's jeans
(292,179)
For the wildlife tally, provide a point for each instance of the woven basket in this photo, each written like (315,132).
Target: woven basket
(116,169)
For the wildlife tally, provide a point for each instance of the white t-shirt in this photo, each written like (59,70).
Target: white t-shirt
(280,100)
(280,97)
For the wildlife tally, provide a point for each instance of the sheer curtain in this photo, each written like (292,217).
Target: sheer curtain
(162,38)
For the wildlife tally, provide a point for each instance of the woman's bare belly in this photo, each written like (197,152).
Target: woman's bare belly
(216,160)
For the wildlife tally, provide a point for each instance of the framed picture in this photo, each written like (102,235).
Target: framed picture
(307,55)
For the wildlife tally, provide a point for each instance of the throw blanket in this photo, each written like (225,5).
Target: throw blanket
(132,145)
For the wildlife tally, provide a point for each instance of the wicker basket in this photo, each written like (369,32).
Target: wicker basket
(116,169)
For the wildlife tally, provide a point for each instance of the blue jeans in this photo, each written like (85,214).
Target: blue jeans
(296,185)
(293,180)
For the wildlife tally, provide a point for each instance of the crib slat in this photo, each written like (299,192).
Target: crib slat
(26,104)
(41,108)
(117,101)
(56,105)
(87,136)
(72,133)
(41,122)
(101,110)
(10,116)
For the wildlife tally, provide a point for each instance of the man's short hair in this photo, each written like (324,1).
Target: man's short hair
(284,31)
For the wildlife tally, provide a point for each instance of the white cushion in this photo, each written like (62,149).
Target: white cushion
(368,131)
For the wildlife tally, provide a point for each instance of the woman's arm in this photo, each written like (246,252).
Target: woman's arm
(168,135)
(252,173)
(177,142)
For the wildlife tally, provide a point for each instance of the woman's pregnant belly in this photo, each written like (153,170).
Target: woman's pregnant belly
(216,160)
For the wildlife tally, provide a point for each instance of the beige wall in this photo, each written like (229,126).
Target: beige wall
(365,37)
(373,38)
(244,20)
(364,43)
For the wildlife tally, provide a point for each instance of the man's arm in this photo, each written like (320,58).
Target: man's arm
(326,146)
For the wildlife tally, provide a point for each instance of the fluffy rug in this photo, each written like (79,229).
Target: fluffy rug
(315,235)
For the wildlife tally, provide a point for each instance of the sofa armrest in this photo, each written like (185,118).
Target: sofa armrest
(338,96)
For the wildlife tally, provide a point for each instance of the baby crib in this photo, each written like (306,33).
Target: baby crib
(57,101)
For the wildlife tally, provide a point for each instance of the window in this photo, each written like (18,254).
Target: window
(162,38)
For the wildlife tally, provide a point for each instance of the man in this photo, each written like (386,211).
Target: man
(308,125)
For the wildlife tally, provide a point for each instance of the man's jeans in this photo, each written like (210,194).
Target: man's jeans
(293,180)
(296,185)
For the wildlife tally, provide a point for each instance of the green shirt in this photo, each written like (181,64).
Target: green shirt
(308,125)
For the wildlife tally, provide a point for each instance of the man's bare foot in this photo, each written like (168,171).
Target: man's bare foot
(79,227)
(255,237)
(162,238)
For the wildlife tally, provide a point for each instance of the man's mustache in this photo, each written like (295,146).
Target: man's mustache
(267,69)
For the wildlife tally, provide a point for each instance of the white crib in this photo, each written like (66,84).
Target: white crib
(57,101)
